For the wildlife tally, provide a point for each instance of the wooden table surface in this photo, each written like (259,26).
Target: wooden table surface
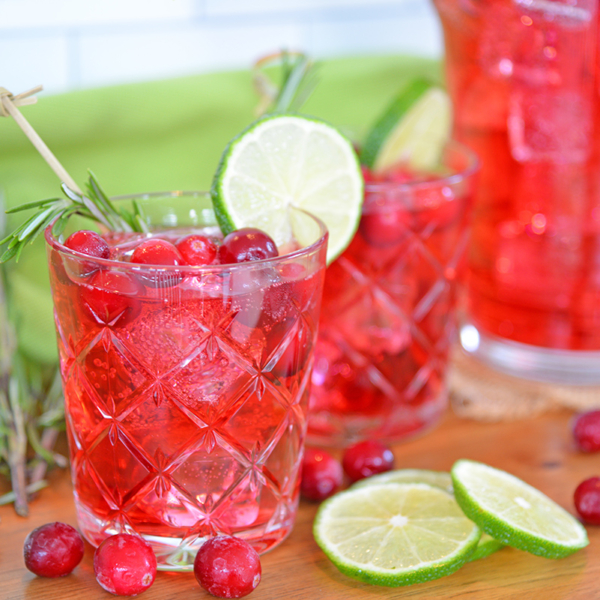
(538,450)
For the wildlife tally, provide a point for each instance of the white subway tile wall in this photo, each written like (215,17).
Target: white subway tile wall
(74,44)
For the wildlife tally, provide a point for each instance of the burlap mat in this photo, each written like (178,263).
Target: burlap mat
(478,392)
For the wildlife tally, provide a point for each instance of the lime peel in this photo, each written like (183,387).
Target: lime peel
(515,513)
(395,534)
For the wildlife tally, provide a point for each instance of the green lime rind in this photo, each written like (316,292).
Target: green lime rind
(515,513)
(395,534)
(487,545)
(389,119)
(288,160)
(441,479)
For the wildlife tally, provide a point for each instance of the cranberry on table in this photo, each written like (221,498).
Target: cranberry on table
(586,431)
(197,249)
(322,475)
(53,550)
(247,244)
(157,252)
(125,565)
(227,567)
(367,458)
(587,500)
(88,242)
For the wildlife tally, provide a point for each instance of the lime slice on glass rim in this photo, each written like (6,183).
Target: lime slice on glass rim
(412,131)
(515,513)
(487,544)
(395,534)
(289,160)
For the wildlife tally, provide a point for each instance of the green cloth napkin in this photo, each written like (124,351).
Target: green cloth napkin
(158,136)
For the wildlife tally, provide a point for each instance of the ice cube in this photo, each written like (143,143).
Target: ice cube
(550,125)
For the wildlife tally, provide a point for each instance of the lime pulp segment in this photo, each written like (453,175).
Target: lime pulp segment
(395,534)
(287,161)
(515,513)
(487,544)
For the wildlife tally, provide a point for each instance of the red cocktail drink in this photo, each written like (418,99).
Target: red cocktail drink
(388,315)
(186,387)
(524,79)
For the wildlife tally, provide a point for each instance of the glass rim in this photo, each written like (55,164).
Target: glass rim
(472,167)
(55,244)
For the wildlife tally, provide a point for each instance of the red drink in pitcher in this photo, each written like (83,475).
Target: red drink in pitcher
(388,318)
(186,387)
(523,76)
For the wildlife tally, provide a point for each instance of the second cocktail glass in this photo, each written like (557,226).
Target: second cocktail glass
(186,387)
(388,315)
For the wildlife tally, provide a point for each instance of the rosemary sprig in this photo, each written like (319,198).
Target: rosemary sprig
(31,416)
(95,206)
(298,80)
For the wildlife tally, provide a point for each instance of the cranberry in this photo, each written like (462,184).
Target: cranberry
(88,242)
(385,227)
(587,500)
(367,458)
(157,252)
(322,475)
(111,297)
(227,567)
(197,250)
(246,244)
(125,564)
(586,431)
(53,550)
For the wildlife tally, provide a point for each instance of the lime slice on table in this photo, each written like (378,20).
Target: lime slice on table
(395,534)
(487,544)
(412,131)
(440,479)
(288,160)
(514,512)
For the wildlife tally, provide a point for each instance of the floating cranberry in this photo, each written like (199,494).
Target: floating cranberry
(227,567)
(110,298)
(367,458)
(385,227)
(88,242)
(125,565)
(197,250)
(245,245)
(157,252)
(587,500)
(53,550)
(586,431)
(322,475)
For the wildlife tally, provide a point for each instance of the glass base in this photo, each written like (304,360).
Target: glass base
(405,422)
(176,553)
(566,367)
